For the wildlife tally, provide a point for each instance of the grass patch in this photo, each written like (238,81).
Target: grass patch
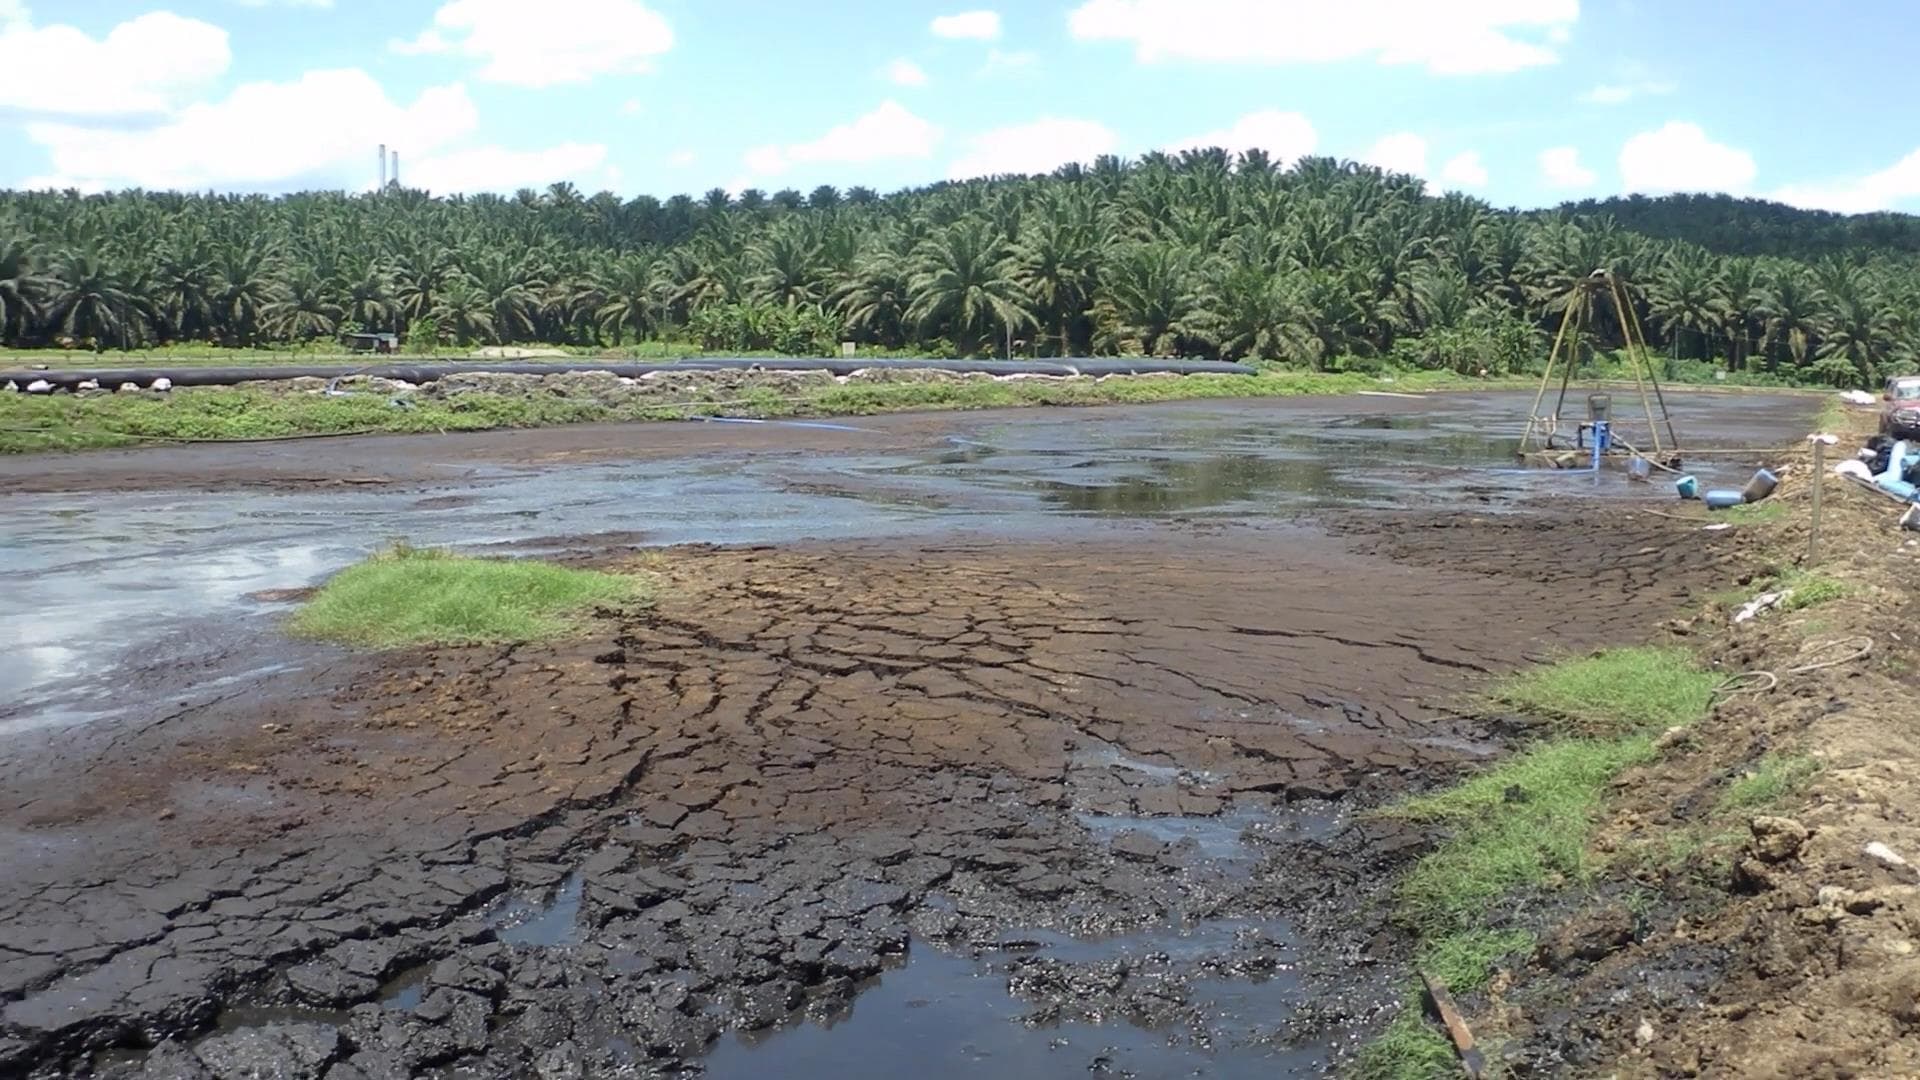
(1615,691)
(411,596)
(1409,1049)
(1759,513)
(1522,824)
(1525,824)
(1772,779)
(1465,960)
(1810,590)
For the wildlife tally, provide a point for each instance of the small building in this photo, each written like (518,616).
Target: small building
(377,343)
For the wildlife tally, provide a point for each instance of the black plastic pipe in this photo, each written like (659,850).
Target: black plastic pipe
(112,378)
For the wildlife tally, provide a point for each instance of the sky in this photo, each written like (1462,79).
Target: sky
(1519,102)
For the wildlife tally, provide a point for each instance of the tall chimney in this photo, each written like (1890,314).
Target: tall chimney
(396,168)
(383,168)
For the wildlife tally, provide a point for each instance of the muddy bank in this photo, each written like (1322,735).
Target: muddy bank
(805,768)
(1707,420)
(1744,924)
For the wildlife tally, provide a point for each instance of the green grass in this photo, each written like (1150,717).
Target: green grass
(1760,513)
(1464,960)
(1772,779)
(1809,590)
(1615,691)
(35,422)
(1409,1049)
(410,596)
(1524,823)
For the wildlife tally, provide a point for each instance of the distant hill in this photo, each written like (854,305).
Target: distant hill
(1732,226)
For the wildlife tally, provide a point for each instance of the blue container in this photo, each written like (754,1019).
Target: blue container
(1722,498)
(1687,487)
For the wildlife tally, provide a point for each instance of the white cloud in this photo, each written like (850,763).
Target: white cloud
(765,160)
(889,131)
(143,67)
(680,159)
(1680,157)
(1881,190)
(631,107)
(1459,37)
(904,72)
(548,43)
(1000,62)
(1036,147)
(1562,169)
(1401,152)
(1285,136)
(427,42)
(493,168)
(1620,93)
(262,135)
(1464,170)
(970,25)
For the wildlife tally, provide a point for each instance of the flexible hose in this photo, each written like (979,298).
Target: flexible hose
(1761,681)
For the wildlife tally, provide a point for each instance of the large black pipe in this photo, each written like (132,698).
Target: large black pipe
(111,378)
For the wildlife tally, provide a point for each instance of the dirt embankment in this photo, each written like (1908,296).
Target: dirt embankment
(747,799)
(1753,919)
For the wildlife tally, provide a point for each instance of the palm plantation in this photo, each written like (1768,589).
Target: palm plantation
(1326,264)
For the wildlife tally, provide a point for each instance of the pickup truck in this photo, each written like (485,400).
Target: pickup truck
(1901,418)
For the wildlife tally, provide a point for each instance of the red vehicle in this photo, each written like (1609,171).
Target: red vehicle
(1901,418)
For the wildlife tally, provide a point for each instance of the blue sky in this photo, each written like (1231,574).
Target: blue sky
(1521,102)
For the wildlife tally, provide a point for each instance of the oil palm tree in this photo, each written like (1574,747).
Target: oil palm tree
(1688,295)
(1055,262)
(873,301)
(244,283)
(962,287)
(626,286)
(91,302)
(185,285)
(464,310)
(301,309)
(368,298)
(22,284)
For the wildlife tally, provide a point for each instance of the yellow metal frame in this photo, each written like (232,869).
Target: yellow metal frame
(1564,358)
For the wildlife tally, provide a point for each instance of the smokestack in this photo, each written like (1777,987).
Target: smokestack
(383,168)
(396,168)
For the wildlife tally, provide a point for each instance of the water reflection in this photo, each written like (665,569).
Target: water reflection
(1172,485)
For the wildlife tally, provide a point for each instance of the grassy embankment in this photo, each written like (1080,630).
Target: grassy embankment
(1524,826)
(30,422)
(1524,830)
(415,596)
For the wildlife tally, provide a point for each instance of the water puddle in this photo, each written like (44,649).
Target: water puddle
(1108,756)
(942,1015)
(555,922)
(406,990)
(1216,838)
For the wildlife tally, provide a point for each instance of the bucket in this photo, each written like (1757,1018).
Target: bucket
(1722,498)
(1687,487)
(1760,486)
(1638,469)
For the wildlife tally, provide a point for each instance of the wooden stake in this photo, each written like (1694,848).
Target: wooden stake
(1471,1059)
(1819,474)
